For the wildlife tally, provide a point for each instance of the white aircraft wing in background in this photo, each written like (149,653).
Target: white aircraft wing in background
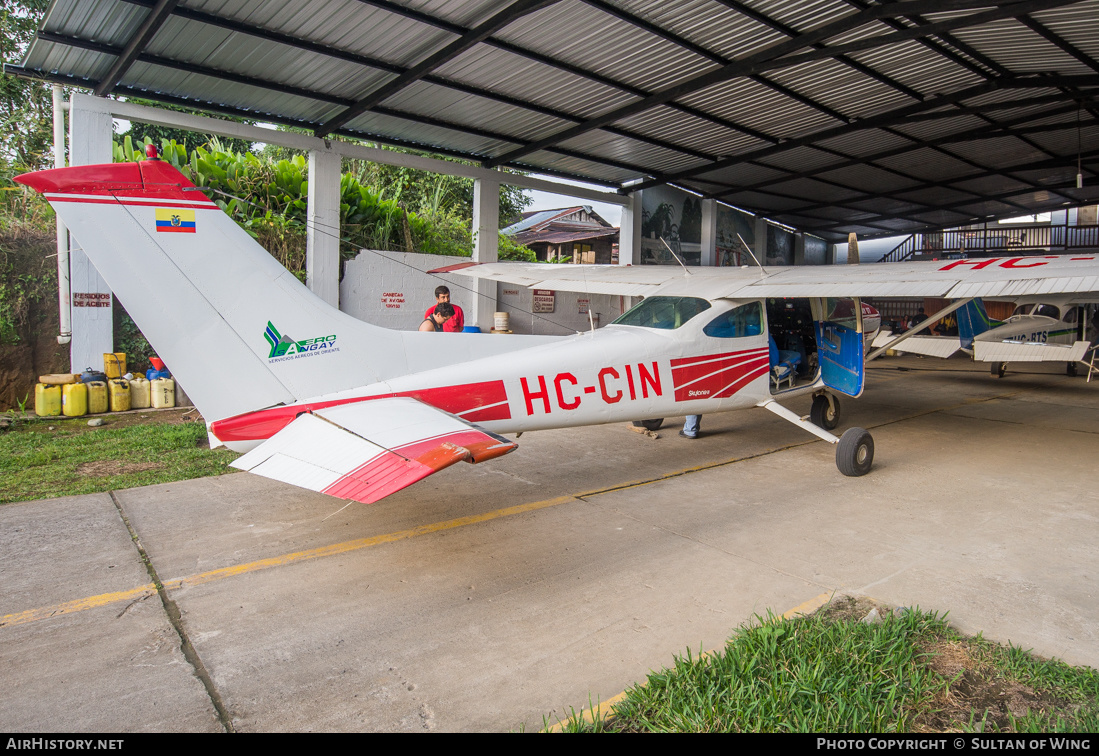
(993,277)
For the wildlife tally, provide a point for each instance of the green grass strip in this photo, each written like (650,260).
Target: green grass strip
(819,674)
(37,463)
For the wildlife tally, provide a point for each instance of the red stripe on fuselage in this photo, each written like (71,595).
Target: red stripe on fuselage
(717,376)
(112,200)
(260,425)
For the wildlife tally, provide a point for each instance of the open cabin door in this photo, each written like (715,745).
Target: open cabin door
(839,345)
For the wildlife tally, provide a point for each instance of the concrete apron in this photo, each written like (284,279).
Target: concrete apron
(490,596)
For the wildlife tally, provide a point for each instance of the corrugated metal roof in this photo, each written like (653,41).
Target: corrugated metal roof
(653,91)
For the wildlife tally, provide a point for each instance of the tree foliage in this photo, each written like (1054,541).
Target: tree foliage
(268,197)
(26,109)
(141,132)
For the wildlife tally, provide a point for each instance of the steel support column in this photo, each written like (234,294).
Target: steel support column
(322,235)
(629,232)
(486,247)
(90,134)
(709,233)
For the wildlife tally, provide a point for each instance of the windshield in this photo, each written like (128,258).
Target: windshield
(745,320)
(663,312)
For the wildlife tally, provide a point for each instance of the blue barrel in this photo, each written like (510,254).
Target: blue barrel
(90,375)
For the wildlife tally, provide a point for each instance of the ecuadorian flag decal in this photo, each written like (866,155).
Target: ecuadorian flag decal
(175,220)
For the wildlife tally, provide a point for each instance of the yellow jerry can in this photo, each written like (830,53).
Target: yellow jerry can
(114,364)
(118,391)
(163,392)
(97,397)
(47,400)
(74,399)
(140,396)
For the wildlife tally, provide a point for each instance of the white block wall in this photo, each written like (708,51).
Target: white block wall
(392,289)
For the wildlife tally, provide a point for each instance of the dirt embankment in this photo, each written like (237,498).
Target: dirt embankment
(28,306)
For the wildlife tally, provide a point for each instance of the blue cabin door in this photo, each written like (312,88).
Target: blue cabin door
(840,347)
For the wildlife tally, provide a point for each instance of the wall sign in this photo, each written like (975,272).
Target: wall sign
(93,299)
(543,300)
(392,299)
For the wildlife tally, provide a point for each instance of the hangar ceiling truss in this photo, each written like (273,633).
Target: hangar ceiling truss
(830,116)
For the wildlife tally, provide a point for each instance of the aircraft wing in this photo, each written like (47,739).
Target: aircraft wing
(946,279)
(367,450)
(930,346)
(1013,351)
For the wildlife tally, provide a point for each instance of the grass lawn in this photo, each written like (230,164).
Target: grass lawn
(47,457)
(831,672)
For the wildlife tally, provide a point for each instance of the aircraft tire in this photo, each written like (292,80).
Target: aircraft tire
(1070,370)
(998,369)
(823,415)
(855,452)
(652,425)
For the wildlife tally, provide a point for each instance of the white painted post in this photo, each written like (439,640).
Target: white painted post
(709,233)
(486,248)
(629,231)
(761,240)
(322,228)
(64,311)
(90,136)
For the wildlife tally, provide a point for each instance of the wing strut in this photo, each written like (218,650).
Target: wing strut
(919,327)
(854,449)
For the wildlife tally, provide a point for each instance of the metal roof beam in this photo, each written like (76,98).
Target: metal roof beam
(259,32)
(363,60)
(790,31)
(888,118)
(274,86)
(813,173)
(137,44)
(1059,41)
(784,54)
(515,10)
(1002,197)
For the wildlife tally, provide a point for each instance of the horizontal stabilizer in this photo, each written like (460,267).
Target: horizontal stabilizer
(1014,351)
(368,450)
(929,346)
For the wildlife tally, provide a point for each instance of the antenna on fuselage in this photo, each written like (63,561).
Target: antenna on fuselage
(762,272)
(669,246)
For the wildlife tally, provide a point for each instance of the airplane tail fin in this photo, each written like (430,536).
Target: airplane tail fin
(238,330)
(973,320)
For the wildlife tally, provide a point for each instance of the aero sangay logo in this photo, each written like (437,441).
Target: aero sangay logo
(285,348)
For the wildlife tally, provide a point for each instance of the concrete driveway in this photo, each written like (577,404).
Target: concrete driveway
(489,597)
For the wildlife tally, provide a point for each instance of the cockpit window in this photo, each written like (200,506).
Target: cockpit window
(1048,310)
(1022,309)
(667,313)
(1070,315)
(745,320)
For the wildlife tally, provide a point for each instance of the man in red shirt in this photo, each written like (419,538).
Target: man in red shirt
(455,323)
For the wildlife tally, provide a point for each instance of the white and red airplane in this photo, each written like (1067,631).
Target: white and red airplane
(1042,328)
(323,401)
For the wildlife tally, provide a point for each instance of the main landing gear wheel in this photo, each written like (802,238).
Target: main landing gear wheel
(825,414)
(652,425)
(998,369)
(855,452)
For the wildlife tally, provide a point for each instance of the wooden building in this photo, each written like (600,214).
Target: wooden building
(576,233)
